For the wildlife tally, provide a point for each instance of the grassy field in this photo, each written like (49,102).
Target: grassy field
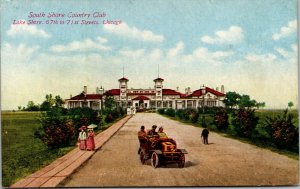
(262,114)
(23,154)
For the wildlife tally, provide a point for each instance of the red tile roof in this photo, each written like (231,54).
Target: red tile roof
(87,97)
(198,92)
(183,95)
(141,98)
(112,92)
(130,94)
(123,78)
(158,79)
(170,92)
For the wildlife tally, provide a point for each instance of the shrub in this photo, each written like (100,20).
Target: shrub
(83,116)
(161,111)
(115,114)
(170,112)
(56,131)
(179,113)
(244,122)
(193,115)
(186,114)
(203,121)
(284,133)
(221,119)
(109,118)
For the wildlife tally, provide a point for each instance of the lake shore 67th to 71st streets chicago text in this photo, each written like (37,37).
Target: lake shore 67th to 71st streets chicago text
(69,18)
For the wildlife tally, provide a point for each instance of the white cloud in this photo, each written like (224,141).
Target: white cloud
(22,29)
(19,54)
(233,35)
(286,30)
(260,58)
(102,40)
(84,45)
(176,50)
(204,55)
(133,32)
(133,53)
(291,55)
(295,48)
(282,52)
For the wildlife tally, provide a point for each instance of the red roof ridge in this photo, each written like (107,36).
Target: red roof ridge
(141,98)
(123,78)
(161,79)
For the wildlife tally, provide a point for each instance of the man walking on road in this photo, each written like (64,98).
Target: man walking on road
(204,135)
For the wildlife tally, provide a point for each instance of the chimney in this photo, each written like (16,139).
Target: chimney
(222,89)
(85,89)
(177,89)
(189,90)
(101,90)
(203,91)
(97,90)
(186,91)
(217,88)
(70,96)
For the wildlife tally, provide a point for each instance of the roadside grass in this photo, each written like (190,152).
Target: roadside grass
(22,153)
(230,133)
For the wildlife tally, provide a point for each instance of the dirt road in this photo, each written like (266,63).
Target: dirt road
(224,162)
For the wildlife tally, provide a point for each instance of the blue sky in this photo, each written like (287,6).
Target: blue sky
(248,46)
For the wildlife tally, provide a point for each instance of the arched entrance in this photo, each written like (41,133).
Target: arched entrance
(141,104)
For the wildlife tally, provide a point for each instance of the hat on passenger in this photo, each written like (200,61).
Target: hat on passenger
(154,126)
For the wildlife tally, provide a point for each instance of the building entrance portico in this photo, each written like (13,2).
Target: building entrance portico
(141,102)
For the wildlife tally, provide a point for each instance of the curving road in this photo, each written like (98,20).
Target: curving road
(224,162)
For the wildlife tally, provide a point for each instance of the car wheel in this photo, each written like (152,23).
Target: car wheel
(154,160)
(181,161)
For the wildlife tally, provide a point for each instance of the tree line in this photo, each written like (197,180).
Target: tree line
(46,105)
(239,119)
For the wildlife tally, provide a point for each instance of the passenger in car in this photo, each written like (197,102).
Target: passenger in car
(161,133)
(152,132)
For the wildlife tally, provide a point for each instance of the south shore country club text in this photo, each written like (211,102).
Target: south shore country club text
(79,18)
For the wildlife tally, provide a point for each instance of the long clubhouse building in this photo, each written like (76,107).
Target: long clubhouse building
(155,98)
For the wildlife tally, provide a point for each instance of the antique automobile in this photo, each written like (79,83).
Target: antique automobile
(161,151)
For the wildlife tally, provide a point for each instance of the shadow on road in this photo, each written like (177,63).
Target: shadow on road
(168,166)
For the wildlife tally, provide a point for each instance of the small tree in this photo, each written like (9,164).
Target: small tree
(246,102)
(32,107)
(244,122)
(290,104)
(221,119)
(110,103)
(57,130)
(231,99)
(260,105)
(284,133)
(58,101)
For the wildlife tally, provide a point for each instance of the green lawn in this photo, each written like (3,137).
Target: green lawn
(262,114)
(23,154)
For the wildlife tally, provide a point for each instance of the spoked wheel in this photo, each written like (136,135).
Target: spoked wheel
(181,161)
(154,160)
(142,157)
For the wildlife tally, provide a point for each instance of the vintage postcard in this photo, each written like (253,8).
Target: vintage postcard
(138,93)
